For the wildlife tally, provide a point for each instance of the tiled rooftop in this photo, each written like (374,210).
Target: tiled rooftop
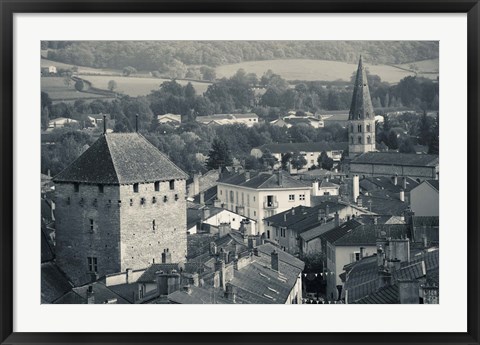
(119,158)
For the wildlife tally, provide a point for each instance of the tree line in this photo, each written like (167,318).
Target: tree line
(164,55)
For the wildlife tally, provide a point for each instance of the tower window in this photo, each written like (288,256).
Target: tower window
(359,128)
(351,128)
(92,223)
(351,140)
(172,184)
(368,128)
(369,140)
(135,187)
(359,140)
(100,188)
(92,264)
(76,187)
(157,186)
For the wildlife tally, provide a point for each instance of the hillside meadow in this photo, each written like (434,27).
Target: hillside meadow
(309,70)
(137,86)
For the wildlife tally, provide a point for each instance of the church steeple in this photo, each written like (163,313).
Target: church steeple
(361,107)
(361,119)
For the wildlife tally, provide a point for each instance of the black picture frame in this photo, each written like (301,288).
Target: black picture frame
(10,7)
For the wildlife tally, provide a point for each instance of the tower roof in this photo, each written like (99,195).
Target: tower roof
(361,107)
(121,158)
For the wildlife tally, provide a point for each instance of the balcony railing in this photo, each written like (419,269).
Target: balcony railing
(270,204)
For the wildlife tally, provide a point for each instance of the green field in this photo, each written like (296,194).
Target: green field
(134,86)
(425,68)
(58,91)
(297,69)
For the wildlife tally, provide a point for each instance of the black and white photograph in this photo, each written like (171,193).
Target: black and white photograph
(239,172)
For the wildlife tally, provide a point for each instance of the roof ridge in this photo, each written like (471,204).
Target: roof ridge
(111,157)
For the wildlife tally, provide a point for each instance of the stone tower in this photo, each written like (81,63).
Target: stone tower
(361,119)
(118,206)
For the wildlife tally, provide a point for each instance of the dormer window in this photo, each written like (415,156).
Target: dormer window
(135,187)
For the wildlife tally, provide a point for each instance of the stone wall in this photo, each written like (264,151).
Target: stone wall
(75,241)
(141,242)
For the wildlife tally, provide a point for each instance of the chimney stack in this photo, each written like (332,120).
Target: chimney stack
(380,256)
(231,292)
(274,260)
(404,183)
(202,198)
(104,124)
(247,175)
(395,179)
(337,219)
(355,187)
(362,252)
(402,195)
(280,178)
(213,248)
(220,270)
(166,257)
(129,276)
(90,295)
(205,213)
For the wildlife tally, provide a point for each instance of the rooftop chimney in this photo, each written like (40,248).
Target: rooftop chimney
(355,187)
(104,124)
(404,183)
(293,211)
(213,248)
(362,252)
(90,295)
(166,257)
(337,219)
(402,195)
(205,213)
(202,198)
(274,260)
(280,178)
(247,175)
(220,270)
(380,256)
(129,276)
(231,292)
(395,179)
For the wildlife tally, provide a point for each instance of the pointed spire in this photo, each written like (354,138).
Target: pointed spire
(361,107)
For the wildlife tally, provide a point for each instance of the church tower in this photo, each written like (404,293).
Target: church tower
(361,119)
